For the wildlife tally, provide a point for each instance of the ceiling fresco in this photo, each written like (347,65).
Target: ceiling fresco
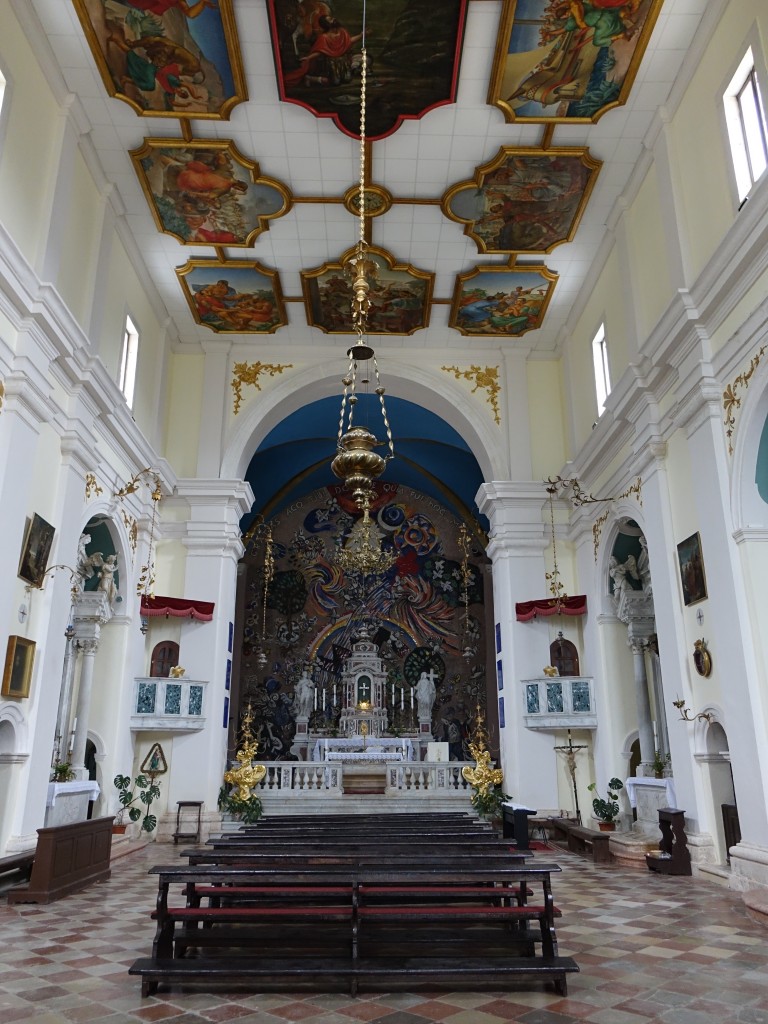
(483,153)
(413,49)
(167,58)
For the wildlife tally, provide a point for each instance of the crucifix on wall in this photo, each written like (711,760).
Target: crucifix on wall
(570,762)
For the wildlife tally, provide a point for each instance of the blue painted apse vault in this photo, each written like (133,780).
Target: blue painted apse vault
(430,456)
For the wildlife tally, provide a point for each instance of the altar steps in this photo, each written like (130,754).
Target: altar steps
(364,780)
(323,802)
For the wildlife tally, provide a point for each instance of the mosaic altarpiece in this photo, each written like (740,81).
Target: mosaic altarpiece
(415,614)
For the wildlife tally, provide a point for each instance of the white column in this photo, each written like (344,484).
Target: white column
(214,547)
(638,646)
(516,548)
(91,612)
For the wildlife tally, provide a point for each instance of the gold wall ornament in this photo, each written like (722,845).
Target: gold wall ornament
(91,486)
(597,529)
(685,713)
(177,672)
(249,373)
(732,402)
(579,497)
(132,527)
(486,378)
(702,659)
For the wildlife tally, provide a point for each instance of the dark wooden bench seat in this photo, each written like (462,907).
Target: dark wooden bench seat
(404,909)
(583,840)
(340,972)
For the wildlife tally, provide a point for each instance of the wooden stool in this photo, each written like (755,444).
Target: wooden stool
(186,832)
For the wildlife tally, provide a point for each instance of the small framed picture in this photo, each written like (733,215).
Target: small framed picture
(692,576)
(19,659)
(35,550)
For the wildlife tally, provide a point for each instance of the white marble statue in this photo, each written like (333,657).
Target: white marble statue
(302,696)
(107,578)
(644,567)
(86,564)
(619,572)
(425,693)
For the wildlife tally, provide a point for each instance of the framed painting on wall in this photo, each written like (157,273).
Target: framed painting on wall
(17,674)
(692,576)
(35,550)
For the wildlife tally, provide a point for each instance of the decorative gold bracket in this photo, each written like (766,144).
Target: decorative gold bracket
(486,378)
(245,373)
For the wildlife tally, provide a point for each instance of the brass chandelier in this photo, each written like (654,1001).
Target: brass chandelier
(356,462)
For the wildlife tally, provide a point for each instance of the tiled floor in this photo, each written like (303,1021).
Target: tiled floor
(650,948)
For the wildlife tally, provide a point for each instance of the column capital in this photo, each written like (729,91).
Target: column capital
(514,509)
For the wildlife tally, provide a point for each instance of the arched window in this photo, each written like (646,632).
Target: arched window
(165,656)
(564,656)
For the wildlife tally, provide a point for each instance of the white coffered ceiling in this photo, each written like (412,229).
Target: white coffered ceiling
(419,162)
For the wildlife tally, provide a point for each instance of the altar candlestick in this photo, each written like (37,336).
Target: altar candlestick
(334,694)
(314,690)
(393,694)
(402,698)
(411,698)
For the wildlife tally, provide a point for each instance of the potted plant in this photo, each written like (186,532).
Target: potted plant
(660,763)
(248,811)
(62,771)
(488,802)
(145,791)
(607,811)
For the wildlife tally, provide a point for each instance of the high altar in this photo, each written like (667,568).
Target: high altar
(364,717)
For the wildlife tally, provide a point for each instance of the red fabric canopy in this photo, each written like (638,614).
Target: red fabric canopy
(527,610)
(178,607)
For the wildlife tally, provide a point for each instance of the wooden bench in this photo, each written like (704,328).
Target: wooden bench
(18,864)
(583,840)
(263,913)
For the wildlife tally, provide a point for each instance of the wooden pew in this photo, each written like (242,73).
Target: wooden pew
(583,840)
(436,904)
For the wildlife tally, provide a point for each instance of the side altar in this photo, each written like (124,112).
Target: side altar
(366,718)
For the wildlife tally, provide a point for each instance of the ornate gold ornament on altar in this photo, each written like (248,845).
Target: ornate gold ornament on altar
(246,775)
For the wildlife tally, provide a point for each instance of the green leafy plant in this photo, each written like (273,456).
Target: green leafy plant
(660,763)
(145,791)
(62,771)
(248,811)
(488,803)
(607,810)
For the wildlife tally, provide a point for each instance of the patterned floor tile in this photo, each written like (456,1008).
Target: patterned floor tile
(652,950)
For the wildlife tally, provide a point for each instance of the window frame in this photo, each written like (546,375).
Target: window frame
(129,358)
(601,365)
(749,65)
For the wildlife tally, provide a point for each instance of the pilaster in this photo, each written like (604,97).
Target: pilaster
(516,548)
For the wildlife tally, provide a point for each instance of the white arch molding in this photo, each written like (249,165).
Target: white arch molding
(439,394)
(748,509)
(13,734)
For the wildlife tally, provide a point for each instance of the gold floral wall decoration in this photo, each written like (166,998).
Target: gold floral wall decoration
(249,373)
(486,378)
(91,486)
(132,527)
(732,402)
(597,529)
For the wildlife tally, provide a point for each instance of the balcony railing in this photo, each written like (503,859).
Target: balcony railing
(559,702)
(174,705)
